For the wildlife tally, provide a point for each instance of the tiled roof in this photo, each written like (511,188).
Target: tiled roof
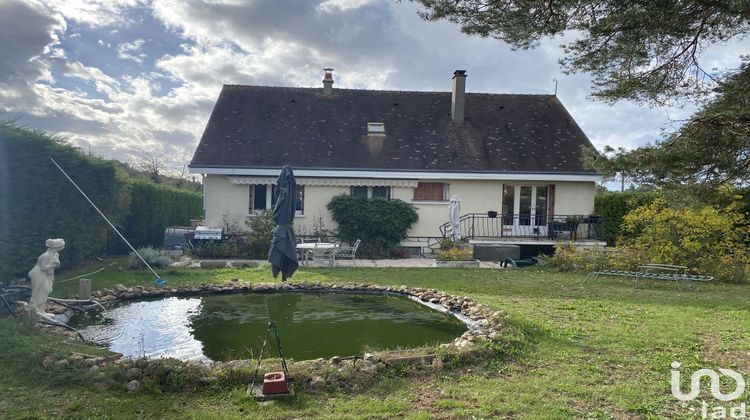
(267,127)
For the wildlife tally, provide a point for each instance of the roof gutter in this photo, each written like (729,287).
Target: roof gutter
(418,175)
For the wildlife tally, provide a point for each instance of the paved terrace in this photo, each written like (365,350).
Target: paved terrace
(404,262)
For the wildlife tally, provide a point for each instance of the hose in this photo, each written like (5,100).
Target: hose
(60,324)
(7,305)
(87,274)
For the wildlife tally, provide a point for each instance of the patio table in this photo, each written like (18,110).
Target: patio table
(306,247)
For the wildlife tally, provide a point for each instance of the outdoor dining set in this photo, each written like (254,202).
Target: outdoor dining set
(326,252)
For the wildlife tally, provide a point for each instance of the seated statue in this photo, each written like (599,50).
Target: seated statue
(43,274)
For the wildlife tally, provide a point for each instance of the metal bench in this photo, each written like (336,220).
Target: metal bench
(666,272)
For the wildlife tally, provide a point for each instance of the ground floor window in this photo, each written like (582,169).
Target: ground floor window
(263,197)
(431,191)
(371,192)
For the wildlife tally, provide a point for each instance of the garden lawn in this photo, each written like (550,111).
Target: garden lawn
(579,348)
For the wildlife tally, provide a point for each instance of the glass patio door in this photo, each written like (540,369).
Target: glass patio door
(525,210)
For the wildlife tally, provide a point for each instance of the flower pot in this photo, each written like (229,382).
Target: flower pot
(492,214)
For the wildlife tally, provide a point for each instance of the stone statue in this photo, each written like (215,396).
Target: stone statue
(43,274)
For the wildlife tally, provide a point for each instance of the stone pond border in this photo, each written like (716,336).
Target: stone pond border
(484,324)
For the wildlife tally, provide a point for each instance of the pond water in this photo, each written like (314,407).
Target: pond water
(227,327)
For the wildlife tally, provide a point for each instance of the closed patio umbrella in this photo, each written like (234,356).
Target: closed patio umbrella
(283,255)
(454,217)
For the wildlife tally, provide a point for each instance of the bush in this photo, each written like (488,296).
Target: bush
(568,257)
(154,258)
(709,241)
(613,206)
(455,253)
(154,207)
(260,235)
(230,247)
(380,224)
(446,244)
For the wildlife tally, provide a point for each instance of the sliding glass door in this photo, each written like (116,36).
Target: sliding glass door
(525,210)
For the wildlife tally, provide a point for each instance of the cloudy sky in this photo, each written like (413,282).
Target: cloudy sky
(123,78)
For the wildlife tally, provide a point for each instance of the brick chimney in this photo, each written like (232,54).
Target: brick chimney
(328,82)
(459,96)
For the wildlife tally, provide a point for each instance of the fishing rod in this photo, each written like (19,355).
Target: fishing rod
(158,279)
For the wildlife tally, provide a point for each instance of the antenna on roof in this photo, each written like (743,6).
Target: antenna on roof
(555,80)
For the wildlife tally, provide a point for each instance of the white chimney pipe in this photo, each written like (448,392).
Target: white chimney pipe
(458,99)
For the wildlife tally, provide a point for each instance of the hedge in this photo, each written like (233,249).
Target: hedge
(613,206)
(37,203)
(154,207)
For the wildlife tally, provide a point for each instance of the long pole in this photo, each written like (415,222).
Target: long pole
(104,217)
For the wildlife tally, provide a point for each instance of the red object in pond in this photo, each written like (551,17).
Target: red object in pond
(275,383)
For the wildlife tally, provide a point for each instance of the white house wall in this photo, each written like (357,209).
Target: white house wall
(574,198)
(228,203)
(316,213)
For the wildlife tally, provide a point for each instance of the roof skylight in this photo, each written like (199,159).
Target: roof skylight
(375,129)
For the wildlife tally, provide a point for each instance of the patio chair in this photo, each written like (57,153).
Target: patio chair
(348,251)
(322,254)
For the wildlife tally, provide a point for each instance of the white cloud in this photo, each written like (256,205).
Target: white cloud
(374,44)
(332,6)
(131,51)
(93,13)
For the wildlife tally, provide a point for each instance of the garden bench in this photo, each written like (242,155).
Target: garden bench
(666,272)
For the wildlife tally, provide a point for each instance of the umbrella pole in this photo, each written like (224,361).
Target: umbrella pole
(158,278)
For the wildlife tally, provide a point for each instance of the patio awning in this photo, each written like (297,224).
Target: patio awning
(331,182)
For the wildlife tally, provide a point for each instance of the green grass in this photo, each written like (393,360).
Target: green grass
(595,349)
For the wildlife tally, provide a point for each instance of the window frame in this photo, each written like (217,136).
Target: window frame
(271,199)
(370,191)
(445,193)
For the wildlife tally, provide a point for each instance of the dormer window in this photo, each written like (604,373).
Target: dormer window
(376,129)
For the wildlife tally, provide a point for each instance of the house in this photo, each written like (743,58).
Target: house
(517,155)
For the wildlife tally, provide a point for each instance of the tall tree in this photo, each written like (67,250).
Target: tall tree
(710,150)
(645,50)
(642,50)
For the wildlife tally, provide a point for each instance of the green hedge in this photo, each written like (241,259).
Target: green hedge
(154,207)
(37,202)
(613,206)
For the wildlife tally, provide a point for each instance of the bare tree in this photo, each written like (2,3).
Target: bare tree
(152,163)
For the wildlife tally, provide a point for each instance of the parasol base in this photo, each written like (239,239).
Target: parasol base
(257,393)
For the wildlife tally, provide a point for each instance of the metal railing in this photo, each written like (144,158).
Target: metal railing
(571,227)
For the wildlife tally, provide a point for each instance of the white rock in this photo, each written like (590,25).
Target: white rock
(132,373)
(133,385)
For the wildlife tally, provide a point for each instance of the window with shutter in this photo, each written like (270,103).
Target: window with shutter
(431,191)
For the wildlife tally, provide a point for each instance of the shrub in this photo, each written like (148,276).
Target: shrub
(380,224)
(230,247)
(454,254)
(446,244)
(260,234)
(568,257)
(154,207)
(709,241)
(613,206)
(154,258)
